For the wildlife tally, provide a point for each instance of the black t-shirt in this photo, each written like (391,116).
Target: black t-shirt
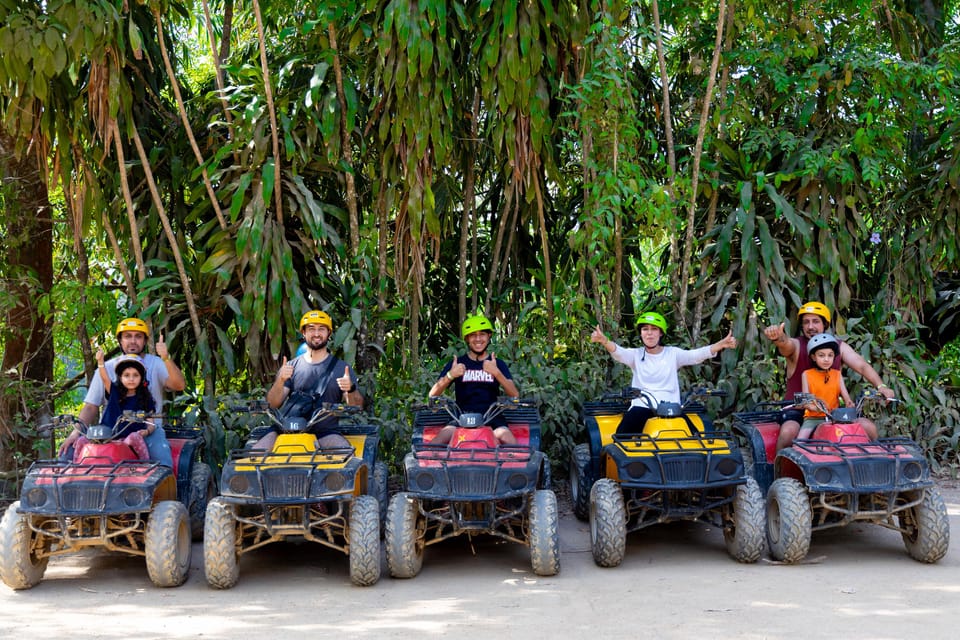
(476,389)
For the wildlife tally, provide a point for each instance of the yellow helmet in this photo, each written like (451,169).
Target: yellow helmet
(816,308)
(132,324)
(316,317)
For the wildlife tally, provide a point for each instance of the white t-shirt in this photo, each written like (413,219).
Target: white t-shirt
(656,373)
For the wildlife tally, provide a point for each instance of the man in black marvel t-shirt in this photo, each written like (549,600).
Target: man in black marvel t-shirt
(477,377)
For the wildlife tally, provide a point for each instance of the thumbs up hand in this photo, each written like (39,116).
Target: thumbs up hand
(161,347)
(346,382)
(490,365)
(775,333)
(286,370)
(457,369)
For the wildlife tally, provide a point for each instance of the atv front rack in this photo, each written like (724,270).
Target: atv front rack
(297,456)
(887,465)
(55,487)
(717,441)
(445,453)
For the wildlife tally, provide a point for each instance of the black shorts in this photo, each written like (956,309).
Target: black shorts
(791,414)
(634,420)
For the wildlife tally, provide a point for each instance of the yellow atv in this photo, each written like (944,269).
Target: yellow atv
(679,468)
(297,490)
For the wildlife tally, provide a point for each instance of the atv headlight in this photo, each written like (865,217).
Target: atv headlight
(912,471)
(425,481)
(335,481)
(823,475)
(517,481)
(636,469)
(728,466)
(133,496)
(36,497)
(239,484)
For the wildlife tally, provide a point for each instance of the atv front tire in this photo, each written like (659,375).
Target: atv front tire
(364,540)
(926,528)
(608,523)
(405,531)
(20,567)
(220,559)
(544,537)
(167,544)
(789,520)
(743,530)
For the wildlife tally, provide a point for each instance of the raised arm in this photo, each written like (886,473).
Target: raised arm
(599,336)
(855,361)
(102,370)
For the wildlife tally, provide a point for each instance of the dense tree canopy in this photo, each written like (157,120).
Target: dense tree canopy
(219,167)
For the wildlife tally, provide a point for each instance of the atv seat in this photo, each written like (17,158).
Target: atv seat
(520,431)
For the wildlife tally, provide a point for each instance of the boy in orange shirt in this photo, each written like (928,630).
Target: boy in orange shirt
(826,384)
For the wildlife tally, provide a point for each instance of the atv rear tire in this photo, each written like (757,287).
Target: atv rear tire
(379,490)
(544,537)
(20,568)
(581,480)
(220,558)
(926,528)
(608,523)
(203,489)
(744,529)
(167,544)
(789,520)
(364,541)
(405,531)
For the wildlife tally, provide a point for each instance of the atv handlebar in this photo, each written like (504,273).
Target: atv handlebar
(326,410)
(62,421)
(651,401)
(501,404)
(812,402)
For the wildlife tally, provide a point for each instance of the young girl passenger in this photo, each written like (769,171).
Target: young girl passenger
(128,392)
(826,384)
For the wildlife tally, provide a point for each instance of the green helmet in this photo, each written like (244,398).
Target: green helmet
(475,323)
(650,317)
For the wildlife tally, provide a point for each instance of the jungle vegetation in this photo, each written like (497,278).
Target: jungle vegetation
(219,167)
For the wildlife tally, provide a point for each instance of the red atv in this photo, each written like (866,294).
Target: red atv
(838,476)
(474,485)
(106,497)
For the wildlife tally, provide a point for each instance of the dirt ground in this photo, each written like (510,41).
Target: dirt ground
(676,582)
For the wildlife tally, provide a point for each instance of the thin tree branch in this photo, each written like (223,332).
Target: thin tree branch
(685,267)
(171,238)
(186,121)
(268,94)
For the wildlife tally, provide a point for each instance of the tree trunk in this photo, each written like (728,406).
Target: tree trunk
(28,254)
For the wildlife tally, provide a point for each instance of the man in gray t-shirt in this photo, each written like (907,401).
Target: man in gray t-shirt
(316,376)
